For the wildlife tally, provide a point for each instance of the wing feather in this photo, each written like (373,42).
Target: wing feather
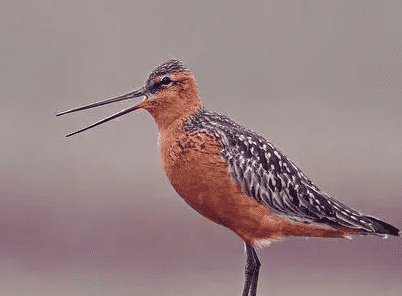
(269,177)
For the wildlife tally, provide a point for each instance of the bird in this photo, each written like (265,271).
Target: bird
(232,175)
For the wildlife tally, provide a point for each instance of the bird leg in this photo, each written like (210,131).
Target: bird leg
(252,270)
(257,264)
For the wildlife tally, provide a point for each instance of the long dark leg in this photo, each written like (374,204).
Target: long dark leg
(253,290)
(252,271)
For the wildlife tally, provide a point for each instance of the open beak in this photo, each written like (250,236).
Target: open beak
(135,94)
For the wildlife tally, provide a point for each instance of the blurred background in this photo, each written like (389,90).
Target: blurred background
(94,214)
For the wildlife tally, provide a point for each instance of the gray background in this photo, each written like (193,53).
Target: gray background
(95,215)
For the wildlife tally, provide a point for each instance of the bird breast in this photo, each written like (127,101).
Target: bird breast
(197,172)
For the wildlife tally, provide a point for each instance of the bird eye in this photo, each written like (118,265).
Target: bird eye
(166,80)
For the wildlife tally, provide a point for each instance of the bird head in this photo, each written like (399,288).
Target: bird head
(169,93)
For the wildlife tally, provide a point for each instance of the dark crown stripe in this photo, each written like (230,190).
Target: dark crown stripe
(169,67)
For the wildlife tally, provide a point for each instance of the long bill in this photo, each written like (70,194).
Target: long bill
(135,94)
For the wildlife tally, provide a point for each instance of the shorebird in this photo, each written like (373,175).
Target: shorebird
(232,175)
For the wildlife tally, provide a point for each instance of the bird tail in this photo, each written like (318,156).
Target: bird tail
(381,227)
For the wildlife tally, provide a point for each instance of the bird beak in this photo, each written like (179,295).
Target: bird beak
(135,94)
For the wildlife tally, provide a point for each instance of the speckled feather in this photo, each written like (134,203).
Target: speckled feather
(273,180)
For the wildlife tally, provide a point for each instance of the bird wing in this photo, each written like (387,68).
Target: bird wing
(273,180)
(269,177)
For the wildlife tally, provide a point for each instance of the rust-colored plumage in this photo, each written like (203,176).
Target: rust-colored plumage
(201,177)
(234,176)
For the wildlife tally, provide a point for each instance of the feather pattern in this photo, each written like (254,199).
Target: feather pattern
(271,178)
